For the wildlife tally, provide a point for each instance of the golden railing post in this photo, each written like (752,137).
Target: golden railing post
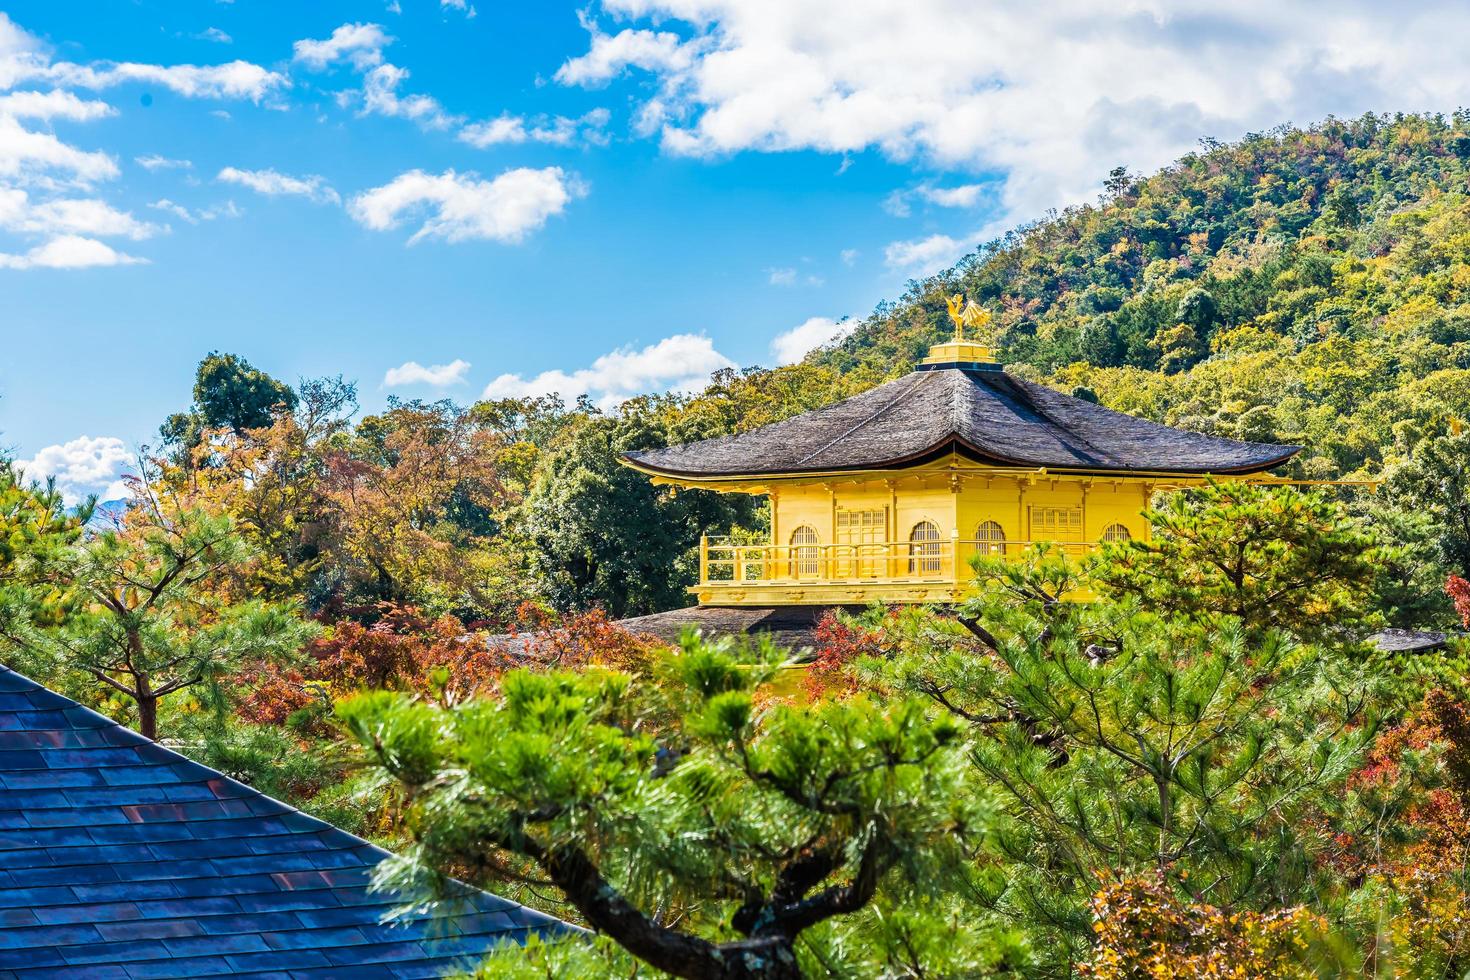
(703,559)
(954,555)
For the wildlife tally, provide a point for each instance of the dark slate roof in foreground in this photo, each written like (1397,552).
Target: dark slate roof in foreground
(122,859)
(985,414)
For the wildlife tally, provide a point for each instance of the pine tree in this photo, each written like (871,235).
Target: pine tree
(154,614)
(1269,557)
(705,834)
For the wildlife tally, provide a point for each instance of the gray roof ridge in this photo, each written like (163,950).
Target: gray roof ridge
(918,383)
(957,402)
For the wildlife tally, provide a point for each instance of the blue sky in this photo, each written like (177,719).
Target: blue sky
(444,199)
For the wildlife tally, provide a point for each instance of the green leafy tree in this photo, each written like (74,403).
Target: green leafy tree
(36,529)
(154,613)
(1435,482)
(707,836)
(606,535)
(1121,743)
(229,393)
(1270,557)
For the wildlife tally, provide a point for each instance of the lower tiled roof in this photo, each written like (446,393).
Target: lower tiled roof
(120,858)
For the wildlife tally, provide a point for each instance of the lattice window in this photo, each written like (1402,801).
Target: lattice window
(1056,524)
(863,535)
(924,548)
(1116,532)
(804,552)
(990,539)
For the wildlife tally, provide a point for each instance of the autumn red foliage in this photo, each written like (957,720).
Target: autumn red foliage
(839,643)
(1459,591)
(552,640)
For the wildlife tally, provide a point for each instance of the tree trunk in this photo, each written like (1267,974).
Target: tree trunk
(148,716)
(690,957)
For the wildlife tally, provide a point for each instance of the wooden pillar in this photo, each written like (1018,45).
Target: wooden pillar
(774,498)
(1023,530)
(1148,494)
(831,549)
(890,530)
(1086,533)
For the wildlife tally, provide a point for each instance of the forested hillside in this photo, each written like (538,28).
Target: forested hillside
(1304,286)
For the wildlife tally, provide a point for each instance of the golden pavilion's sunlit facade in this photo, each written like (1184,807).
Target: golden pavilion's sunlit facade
(888,495)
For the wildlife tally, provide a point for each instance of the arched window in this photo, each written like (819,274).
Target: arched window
(804,552)
(990,539)
(924,548)
(1116,532)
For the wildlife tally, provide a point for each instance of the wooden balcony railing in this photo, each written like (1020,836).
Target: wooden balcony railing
(947,560)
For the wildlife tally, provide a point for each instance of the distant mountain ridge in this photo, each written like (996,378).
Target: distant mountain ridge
(1300,285)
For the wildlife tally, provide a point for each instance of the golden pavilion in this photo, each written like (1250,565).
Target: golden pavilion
(887,495)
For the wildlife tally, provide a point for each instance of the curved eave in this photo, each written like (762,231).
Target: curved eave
(962,447)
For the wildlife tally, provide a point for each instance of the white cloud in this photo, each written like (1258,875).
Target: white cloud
(923,256)
(225,210)
(68,252)
(463,6)
(380,97)
(897,204)
(963,196)
(275,184)
(55,104)
(359,44)
(849,256)
(177,210)
(436,375)
(683,362)
(33,157)
(214,34)
(69,216)
(155,162)
(791,346)
(1045,97)
(462,207)
(611,54)
(24,58)
(558,130)
(232,80)
(790,277)
(85,465)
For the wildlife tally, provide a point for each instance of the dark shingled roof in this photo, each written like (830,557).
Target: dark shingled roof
(984,414)
(1410,641)
(122,859)
(788,626)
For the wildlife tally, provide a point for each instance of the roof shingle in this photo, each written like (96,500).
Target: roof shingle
(985,414)
(121,858)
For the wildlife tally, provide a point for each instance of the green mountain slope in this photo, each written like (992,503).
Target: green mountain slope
(1302,285)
